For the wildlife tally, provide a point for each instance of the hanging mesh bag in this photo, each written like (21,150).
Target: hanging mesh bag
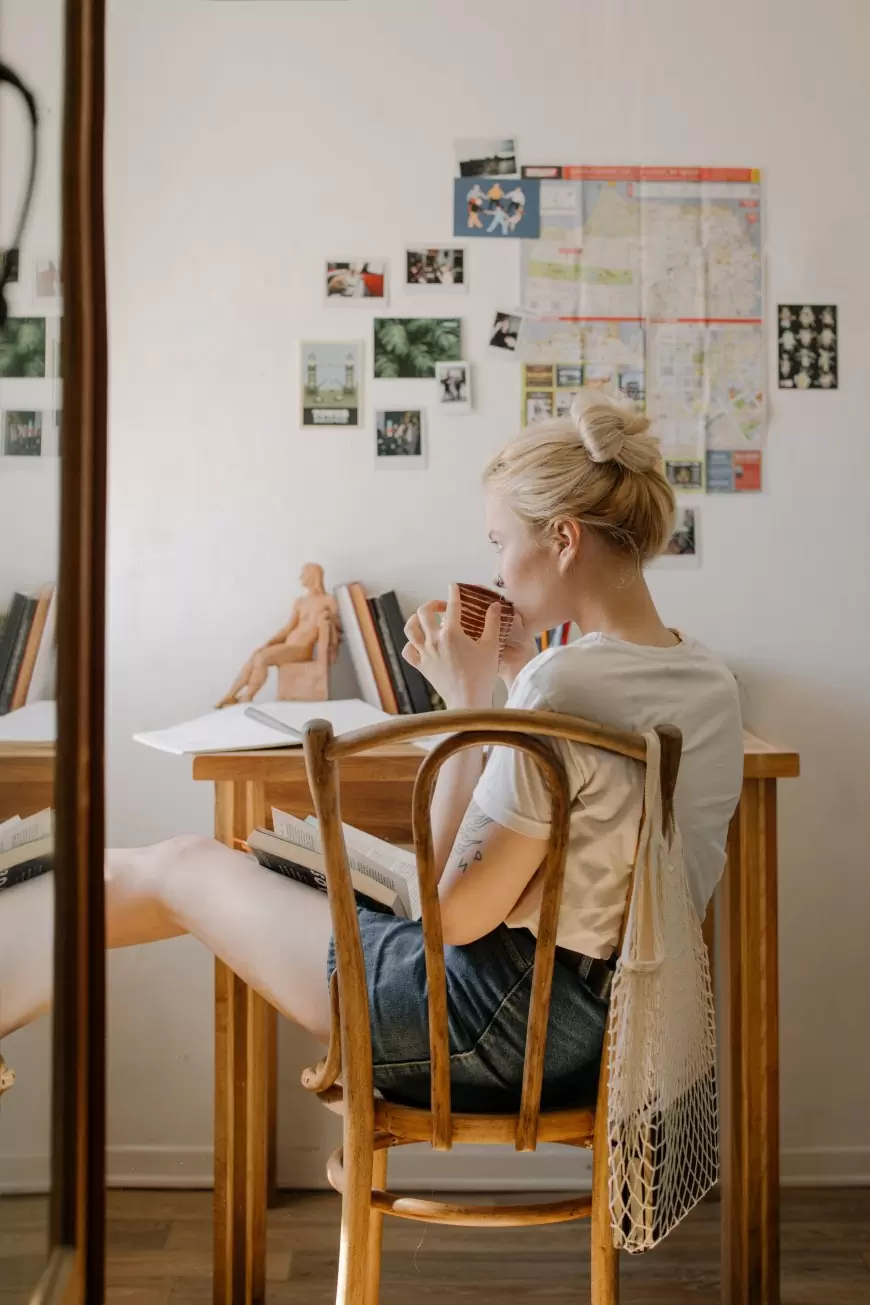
(660,1053)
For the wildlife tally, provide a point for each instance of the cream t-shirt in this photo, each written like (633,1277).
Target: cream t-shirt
(633,687)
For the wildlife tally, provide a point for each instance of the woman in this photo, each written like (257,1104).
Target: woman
(575,507)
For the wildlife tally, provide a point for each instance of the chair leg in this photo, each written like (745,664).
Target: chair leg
(355,1215)
(605,1256)
(376,1231)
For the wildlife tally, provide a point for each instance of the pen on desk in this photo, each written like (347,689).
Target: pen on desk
(263,718)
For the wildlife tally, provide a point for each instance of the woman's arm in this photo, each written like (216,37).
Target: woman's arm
(486,873)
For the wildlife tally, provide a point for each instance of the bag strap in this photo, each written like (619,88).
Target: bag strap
(643,942)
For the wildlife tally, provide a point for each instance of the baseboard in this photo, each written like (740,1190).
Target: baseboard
(825,1166)
(467,1168)
(25,1175)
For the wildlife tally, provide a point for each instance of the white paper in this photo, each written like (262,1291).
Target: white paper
(232,730)
(36,723)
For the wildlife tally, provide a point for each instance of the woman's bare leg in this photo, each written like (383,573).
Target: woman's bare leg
(272,932)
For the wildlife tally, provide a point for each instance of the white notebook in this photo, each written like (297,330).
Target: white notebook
(244,728)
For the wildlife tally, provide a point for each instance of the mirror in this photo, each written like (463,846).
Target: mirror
(52,562)
(31,46)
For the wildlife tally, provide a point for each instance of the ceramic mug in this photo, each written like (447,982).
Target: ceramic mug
(474,602)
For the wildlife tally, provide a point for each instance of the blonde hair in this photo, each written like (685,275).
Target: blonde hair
(598,467)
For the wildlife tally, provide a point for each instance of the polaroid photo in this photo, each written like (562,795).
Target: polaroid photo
(331,382)
(505,332)
(399,438)
(486,156)
(46,279)
(22,434)
(454,387)
(411,347)
(356,281)
(440,271)
(683,549)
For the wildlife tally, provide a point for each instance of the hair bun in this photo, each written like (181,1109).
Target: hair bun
(613,431)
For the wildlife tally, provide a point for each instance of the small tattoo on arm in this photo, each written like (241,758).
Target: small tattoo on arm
(469,840)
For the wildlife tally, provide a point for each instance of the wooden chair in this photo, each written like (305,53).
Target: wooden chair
(343,1080)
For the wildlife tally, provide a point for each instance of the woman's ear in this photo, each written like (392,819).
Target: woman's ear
(567,534)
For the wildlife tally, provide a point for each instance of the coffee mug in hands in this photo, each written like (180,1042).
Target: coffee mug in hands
(474,603)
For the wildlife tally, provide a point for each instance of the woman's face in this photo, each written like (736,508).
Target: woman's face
(527,569)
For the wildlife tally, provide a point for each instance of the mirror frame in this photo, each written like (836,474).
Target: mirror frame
(75,1272)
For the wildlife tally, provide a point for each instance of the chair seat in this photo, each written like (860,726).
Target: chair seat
(413,1124)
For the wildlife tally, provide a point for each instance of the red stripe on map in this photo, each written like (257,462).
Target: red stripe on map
(590,172)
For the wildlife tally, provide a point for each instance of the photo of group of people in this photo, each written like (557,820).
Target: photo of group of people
(435,269)
(400,436)
(490,207)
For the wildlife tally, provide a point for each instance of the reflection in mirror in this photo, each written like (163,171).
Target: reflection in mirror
(31,49)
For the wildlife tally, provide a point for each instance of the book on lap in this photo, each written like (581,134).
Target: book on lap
(379,872)
(26,848)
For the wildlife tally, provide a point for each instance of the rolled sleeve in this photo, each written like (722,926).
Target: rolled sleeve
(512,790)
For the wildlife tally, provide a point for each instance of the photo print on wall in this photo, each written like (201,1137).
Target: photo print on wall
(410,347)
(331,382)
(492,208)
(400,438)
(356,280)
(441,271)
(807,346)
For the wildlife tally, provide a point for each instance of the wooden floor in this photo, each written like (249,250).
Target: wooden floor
(159,1252)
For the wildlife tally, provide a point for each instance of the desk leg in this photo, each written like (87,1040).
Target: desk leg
(242,1098)
(748,1017)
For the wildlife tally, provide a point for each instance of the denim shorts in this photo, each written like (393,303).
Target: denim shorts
(489,984)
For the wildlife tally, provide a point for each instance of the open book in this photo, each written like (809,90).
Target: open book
(26,848)
(379,871)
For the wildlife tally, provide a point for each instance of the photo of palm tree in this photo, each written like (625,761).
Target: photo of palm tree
(22,348)
(411,346)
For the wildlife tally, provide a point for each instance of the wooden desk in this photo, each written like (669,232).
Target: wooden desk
(26,778)
(376,795)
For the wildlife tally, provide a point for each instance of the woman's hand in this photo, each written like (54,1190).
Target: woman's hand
(518,652)
(462,670)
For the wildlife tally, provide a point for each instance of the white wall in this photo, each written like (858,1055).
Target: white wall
(246,142)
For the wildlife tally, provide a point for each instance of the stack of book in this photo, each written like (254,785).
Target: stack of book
(374,629)
(556,638)
(27,642)
(26,848)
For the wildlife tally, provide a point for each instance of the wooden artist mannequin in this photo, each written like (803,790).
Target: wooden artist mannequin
(303,650)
